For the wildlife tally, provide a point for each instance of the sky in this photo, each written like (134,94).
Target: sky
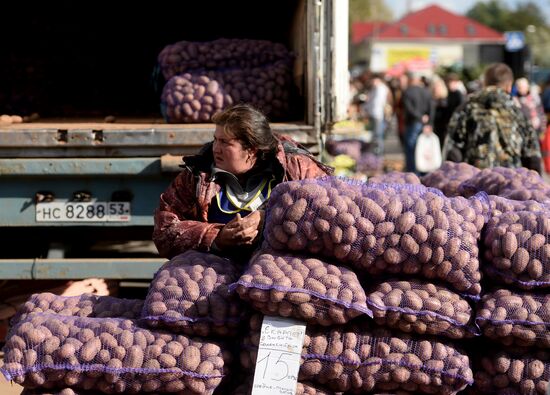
(399,7)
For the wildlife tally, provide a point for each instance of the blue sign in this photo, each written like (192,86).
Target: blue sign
(515,41)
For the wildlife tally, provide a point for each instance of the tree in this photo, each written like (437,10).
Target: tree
(369,10)
(493,14)
(498,16)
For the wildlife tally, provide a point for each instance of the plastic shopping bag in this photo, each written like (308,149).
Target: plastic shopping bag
(427,153)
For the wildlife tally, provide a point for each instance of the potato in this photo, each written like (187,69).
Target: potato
(82,365)
(517,370)
(304,288)
(197,301)
(516,249)
(195,95)
(354,356)
(379,229)
(515,318)
(511,183)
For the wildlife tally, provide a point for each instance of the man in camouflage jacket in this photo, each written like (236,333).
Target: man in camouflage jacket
(490,130)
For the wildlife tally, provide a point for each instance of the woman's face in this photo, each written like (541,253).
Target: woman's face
(229,154)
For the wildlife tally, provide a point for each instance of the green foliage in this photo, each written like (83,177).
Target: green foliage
(466,74)
(539,42)
(497,15)
(369,10)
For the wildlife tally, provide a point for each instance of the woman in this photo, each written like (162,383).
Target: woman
(215,203)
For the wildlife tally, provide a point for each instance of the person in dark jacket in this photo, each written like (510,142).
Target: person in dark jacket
(418,109)
(216,203)
(490,129)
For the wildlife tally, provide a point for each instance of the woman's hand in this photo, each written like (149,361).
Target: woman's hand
(241,231)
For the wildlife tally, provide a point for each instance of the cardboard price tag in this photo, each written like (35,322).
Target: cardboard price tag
(278,361)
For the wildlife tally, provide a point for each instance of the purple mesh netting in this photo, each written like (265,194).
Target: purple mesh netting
(302,287)
(72,391)
(222,53)
(85,305)
(517,249)
(516,184)
(195,96)
(109,355)
(354,148)
(520,319)
(395,177)
(501,205)
(369,163)
(420,307)
(191,294)
(381,228)
(354,359)
(449,177)
(521,373)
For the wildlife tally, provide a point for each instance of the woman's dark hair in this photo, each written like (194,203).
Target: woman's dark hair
(249,126)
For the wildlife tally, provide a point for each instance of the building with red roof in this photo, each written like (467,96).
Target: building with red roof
(428,37)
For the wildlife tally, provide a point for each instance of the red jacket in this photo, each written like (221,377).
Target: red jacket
(181,220)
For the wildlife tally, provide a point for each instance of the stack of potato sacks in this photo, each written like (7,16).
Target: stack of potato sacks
(337,251)
(515,309)
(173,342)
(203,78)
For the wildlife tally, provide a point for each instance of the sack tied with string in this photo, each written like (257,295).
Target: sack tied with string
(515,318)
(110,355)
(421,307)
(381,228)
(190,294)
(356,359)
(305,288)
(85,305)
(449,177)
(517,249)
(514,372)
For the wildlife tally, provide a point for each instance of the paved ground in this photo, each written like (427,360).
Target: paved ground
(7,388)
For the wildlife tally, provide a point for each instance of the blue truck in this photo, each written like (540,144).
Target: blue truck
(79,184)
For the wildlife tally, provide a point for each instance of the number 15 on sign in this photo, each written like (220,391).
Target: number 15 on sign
(278,359)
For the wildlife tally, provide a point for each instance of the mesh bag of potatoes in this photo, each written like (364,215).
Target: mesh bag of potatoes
(511,183)
(517,249)
(519,319)
(355,359)
(395,177)
(110,355)
(501,205)
(449,177)
(190,294)
(421,307)
(301,287)
(196,95)
(518,372)
(224,53)
(381,228)
(353,148)
(85,305)
(73,391)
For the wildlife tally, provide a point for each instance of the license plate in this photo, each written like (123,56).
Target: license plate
(83,212)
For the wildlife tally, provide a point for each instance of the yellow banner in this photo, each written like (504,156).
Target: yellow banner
(397,55)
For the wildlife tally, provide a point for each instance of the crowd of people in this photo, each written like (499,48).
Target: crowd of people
(493,121)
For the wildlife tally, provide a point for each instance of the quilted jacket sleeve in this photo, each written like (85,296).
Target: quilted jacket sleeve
(178,223)
(300,167)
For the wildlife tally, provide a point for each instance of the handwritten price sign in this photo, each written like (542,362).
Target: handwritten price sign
(278,362)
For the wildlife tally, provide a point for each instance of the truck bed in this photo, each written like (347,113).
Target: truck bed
(128,137)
